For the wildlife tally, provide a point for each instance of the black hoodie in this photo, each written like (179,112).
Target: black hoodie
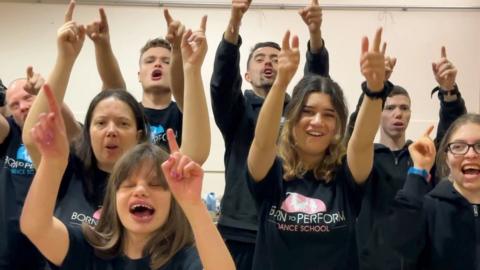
(437,231)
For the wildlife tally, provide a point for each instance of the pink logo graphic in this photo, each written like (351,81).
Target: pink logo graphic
(298,203)
(97,214)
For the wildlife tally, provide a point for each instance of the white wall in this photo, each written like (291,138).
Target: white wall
(28,32)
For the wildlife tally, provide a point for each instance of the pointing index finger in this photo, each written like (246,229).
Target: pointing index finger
(203,23)
(172,142)
(52,101)
(168,17)
(444,52)
(69,13)
(377,40)
(428,131)
(103,16)
(314,3)
(29,72)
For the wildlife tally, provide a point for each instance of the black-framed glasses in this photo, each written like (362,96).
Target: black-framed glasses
(461,148)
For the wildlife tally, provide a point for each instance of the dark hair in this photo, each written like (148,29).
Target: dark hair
(3,88)
(262,45)
(107,237)
(442,168)
(83,146)
(292,164)
(398,90)
(155,43)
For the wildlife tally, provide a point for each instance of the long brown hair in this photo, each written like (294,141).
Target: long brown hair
(442,169)
(107,238)
(292,165)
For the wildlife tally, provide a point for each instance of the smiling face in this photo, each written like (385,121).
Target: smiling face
(113,130)
(143,202)
(465,169)
(154,69)
(316,127)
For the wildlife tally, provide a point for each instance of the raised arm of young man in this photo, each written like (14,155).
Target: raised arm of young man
(317,58)
(70,41)
(226,82)
(174,35)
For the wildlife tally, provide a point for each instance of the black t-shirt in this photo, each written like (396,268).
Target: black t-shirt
(74,204)
(16,174)
(81,256)
(306,223)
(161,120)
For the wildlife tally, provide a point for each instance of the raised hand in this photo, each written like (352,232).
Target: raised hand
(184,176)
(445,72)
(390,63)
(312,16)
(98,31)
(194,45)
(372,62)
(70,36)
(35,81)
(288,59)
(175,30)
(239,8)
(49,134)
(423,151)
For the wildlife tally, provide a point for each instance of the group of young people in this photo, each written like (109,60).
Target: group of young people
(306,186)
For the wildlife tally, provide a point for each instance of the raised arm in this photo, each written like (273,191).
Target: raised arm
(226,82)
(263,149)
(452,104)
(407,224)
(184,178)
(174,35)
(107,64)
(360,146)
(70,39)
(33,85)
(239,7)
(37,222)
(196,126)
(390,63)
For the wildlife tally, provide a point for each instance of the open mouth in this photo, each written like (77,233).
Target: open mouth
(157,74)
(111,146)
(471,170)
(142,211)
(268,72)
(315,133)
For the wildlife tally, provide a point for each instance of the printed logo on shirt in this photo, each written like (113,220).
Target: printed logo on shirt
(158,134)
(299,213)
(21,164)
(298,203)
(79,218)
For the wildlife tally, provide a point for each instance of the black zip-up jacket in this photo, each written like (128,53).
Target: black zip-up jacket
(438,231)
(236,115)
(389,173)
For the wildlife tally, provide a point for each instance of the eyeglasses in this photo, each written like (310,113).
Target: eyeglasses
(461,148)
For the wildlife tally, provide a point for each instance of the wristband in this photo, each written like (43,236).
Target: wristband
(422,172)
(373,95)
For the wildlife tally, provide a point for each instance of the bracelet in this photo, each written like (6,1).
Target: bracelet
(422,172)
(373,95)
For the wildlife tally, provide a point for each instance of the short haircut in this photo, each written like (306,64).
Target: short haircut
(398,90)
(155,43)
(262,45)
